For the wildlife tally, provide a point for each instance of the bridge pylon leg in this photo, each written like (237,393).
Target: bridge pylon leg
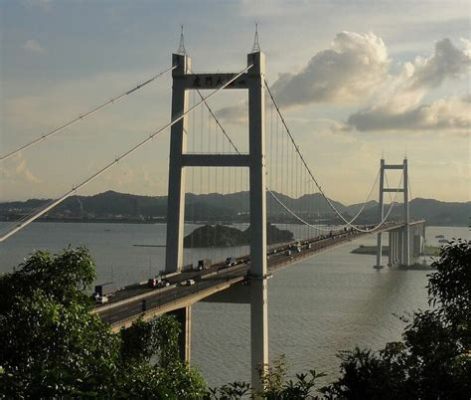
(379,250)
(258,220)
(176,177)
(407,259)
(183,316)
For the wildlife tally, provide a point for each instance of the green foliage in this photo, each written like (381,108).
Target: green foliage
(156,341)
(278,387)
(433,361)
(231,391)
(63,277)
(450,286)
(275,383)
(53,347)
(50,342)
(174,382)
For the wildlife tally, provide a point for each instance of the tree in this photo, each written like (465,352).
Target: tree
(432,362)
(275,383)
(50,342)
(53,347)
(151,366)
(434,359)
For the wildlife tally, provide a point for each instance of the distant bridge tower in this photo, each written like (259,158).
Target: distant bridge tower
(399,240)
(252,80)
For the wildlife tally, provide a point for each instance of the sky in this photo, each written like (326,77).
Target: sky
(356,81)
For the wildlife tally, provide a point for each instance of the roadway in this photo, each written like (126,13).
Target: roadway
(131,302)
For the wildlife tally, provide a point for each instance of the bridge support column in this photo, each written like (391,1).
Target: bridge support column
(379,250)
(406,215)
(394,248)
(401,247)
(176,177)
(397,253)
(258,220)
(183,316)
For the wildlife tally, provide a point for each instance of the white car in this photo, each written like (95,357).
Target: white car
(101,299)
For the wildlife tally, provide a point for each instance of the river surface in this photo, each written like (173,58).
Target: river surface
(318,307)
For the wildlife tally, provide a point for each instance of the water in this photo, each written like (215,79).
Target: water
(332,302)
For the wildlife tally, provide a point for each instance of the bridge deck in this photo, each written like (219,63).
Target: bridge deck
(134,301)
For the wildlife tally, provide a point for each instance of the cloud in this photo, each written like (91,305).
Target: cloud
(447,62)
(33,46)
(234,114)
(399,106)
(18,170)
(356,69)
(442,114)
(350,70)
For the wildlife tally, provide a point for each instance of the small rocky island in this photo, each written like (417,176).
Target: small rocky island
(225,236)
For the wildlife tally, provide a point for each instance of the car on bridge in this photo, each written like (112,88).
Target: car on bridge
(295,248)
(158,283)
(101,299)
(231,261)
(204,264)
(104,289)
(187,282)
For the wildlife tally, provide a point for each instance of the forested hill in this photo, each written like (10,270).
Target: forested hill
(114,206)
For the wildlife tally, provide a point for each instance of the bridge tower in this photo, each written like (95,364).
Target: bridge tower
(252,80)
(399,241)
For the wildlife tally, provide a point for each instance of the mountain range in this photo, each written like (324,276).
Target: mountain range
(234,207)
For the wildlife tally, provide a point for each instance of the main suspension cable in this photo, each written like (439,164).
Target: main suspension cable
(117,159)
(276,198)
(83,116)
(296,147)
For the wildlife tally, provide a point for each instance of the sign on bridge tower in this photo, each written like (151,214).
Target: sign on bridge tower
(252,80)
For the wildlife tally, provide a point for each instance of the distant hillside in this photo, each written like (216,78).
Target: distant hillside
(435,212)
(213,207)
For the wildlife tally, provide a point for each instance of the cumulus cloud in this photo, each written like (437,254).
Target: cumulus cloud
(448,61)
(356,70)
(351,69)
(400,106)
(442,114)
(33,46)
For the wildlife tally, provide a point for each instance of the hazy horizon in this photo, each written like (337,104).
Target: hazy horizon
(232,193)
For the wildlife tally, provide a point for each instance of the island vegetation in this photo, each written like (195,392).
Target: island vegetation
(52,347)
(226,236)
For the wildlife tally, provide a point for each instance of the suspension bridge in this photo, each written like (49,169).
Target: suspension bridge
(278,178)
